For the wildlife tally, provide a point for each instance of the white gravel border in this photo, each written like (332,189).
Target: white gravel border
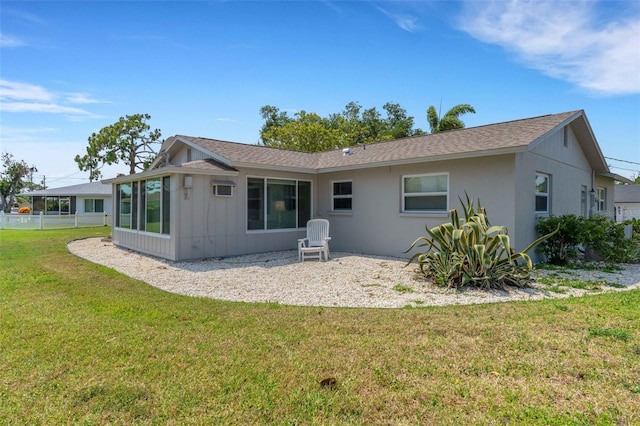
(346,280)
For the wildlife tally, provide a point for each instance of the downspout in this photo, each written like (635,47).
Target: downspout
(592,193)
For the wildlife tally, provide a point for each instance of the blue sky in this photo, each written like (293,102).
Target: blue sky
(68,69)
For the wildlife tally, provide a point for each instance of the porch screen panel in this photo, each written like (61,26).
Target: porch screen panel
(65,205)
(124,208)
(141,203)
(38,204)
(134,206)
(166,204)
(153,206)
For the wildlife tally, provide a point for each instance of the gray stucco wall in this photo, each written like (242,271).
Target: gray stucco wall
(376,224)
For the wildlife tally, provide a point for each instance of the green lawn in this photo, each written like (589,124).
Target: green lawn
(83,344)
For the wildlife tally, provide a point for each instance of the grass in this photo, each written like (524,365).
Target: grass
(83,344)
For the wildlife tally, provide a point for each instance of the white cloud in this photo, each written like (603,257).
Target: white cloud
(404,21)
(10,41)
(82,98)
(565,40)
(14,90)
(18,97)
(42,107)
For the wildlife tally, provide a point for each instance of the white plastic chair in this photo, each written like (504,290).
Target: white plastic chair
(316,245)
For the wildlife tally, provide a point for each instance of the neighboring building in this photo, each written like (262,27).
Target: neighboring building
(626,199)
(208,198)
(86,198)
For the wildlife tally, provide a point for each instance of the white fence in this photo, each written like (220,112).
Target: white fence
(46,221)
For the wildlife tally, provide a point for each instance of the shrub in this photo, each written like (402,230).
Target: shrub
(576,235)
(563,247)
(24,210)
(471,252)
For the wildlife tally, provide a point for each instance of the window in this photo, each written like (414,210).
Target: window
(601,199)
(93,205)
(144,205)
(425,193)
(277,203)
(152,207)
(123,219)
(342,196)
(542,193)
(166,204)
(583,201)
(134,206)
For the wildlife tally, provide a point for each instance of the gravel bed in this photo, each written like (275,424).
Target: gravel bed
(346,280)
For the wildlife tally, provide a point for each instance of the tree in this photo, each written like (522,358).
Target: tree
(310,132)
(129,140)
(12,179)
(450,120)
(307,132)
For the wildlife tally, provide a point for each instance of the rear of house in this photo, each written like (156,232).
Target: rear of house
(627,202)
(208,198)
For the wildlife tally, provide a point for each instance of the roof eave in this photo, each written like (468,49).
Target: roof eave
(169,170)
(616,177)
(431,159)
(279,168)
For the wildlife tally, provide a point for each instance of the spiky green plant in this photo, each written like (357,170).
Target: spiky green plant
(471,252)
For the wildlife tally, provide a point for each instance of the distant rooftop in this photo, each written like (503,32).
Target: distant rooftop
(83,189)
(626,194)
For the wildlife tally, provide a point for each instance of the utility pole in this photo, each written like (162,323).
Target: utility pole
(44,182)
(32,169)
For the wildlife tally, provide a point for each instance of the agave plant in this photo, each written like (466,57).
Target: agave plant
(471,252)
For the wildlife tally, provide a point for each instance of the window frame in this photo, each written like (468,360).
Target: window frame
(138,206)
(93,203)
(335,197)
(601,199)
(264,206)
(405,194)
(546,195)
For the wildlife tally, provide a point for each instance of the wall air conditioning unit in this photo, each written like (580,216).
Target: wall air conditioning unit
(223,188)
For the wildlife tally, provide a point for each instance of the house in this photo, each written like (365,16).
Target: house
(86,198)
(626,200)
(208,198)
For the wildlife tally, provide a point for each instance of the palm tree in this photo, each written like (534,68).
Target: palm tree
(450,120)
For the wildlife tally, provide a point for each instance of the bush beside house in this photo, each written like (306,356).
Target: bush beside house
(594,238)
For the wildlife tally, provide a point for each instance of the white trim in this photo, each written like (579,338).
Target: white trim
(341,197)
(601,199)
(547,194)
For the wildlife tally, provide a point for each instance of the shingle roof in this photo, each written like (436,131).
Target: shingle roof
(506,137)
(255,154)
(83,189)
(626,194)
(208,164)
